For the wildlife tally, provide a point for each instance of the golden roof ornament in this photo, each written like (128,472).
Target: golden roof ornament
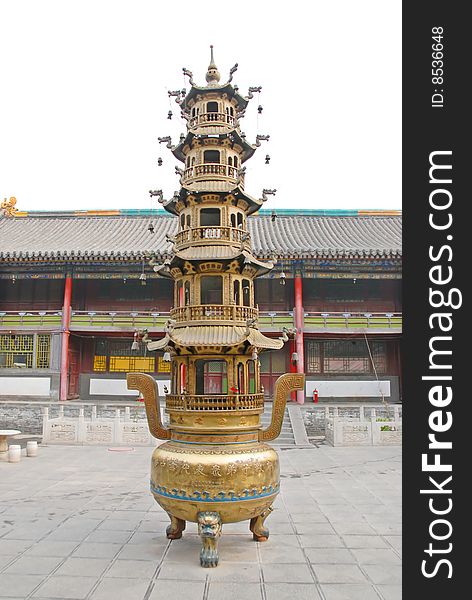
(8,207)
(213,75)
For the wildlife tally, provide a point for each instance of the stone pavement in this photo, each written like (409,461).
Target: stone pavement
(78,523)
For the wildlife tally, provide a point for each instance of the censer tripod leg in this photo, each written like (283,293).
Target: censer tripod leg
(209,529)
(256,525)
(174,530)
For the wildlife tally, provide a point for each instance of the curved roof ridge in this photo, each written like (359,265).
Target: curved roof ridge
(90,237)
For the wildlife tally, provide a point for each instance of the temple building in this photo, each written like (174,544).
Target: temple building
(81,281)
(216,281)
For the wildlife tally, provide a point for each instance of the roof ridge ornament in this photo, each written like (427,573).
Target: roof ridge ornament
(263,138)
(8,207)
(255,89)
(267,192)
(167,140)
(232,71)
(188,74)
(213,75)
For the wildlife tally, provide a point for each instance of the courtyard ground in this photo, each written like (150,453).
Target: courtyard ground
(78,523)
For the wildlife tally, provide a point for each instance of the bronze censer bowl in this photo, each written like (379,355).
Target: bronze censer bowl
(215,467)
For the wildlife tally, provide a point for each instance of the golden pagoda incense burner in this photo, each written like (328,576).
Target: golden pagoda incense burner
(215,466)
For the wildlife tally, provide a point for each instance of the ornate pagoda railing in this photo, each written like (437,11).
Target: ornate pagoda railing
(212,118)
(214,312)
(211,402)
(212,170)
(203,235)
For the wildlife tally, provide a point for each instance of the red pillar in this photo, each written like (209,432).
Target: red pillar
(299,320)
(66,312)
(293,368)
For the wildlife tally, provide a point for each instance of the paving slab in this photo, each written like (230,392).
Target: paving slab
(86,528)
(174,590)
(290,591)
(21,587)
(349,591)
(332,556)
(65,587)
(390,592)
(34,565)
(81,566)
(339,574)
(287,573)
(112,589)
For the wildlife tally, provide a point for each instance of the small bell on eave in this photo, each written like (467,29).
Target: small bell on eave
(169,115)
(259,109)
(267,159)
(159,162)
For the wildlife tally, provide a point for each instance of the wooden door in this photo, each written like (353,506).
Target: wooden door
(74,369)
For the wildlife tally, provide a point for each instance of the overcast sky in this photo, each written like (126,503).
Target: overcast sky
(83,98)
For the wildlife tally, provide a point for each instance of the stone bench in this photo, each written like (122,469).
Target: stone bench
(4,435)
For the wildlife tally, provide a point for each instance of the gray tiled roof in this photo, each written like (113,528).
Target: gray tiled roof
(117,237)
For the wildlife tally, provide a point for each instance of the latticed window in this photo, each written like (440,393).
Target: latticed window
(116,356)
(125,364)
(313,357)
(163,366)
(379,356)
(43,351)
(121,359)
(18,350)
(345,356)
(352,356)
(99,363)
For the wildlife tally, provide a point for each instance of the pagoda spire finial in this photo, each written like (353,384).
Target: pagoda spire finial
(213,75)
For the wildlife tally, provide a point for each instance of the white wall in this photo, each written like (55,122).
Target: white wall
(117,387)
(25,386)
(347,389)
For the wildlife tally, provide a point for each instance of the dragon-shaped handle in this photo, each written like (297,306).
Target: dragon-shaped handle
(148,387)
(283,386)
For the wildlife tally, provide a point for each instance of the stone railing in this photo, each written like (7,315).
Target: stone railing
(355,425)
(214,312)
(363,433)
(216,403)
(210,170)
(97,429)
(211,234)
(212,118)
